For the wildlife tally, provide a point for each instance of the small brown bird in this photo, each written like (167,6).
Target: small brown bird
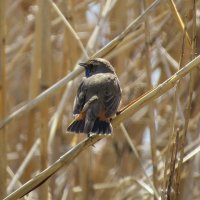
(97,100)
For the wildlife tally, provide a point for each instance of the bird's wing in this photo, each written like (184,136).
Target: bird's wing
(112,98)
(80,99)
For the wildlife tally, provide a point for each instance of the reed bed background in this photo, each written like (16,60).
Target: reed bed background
(153,152)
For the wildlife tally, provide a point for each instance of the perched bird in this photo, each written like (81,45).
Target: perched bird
(97,100)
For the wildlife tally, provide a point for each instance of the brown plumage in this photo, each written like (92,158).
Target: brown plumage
(97,99)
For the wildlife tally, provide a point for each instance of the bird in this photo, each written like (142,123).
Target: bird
(97,100)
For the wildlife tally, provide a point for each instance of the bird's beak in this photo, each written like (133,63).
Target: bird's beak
(83,64)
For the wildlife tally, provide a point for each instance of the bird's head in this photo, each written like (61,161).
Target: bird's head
(97,65)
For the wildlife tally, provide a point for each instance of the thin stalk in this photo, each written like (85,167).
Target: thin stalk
(188,107)
(44,64)
(3,142)
(178,18)
(173,121)
(151,116)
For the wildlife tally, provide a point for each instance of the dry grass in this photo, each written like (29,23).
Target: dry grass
(154,150)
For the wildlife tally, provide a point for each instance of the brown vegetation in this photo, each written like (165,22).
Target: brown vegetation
(154,149)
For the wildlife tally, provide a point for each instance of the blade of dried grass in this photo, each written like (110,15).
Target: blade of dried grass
(178,18)
(190,155)
(65,194)
(102,52)
(11,174)
(3,158)
(171,60)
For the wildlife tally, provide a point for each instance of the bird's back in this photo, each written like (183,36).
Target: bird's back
(102,85)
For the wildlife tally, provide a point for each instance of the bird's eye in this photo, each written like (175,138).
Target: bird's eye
(87,72)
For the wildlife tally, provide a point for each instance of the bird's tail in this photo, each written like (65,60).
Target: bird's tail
(77,126)
(99,127)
